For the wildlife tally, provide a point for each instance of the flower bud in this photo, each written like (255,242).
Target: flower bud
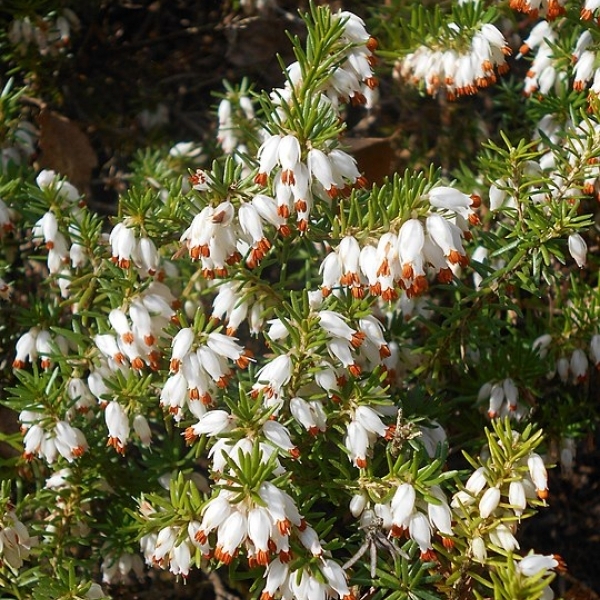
(502,536)
(541,344)
(516,497)
(489,502)
(479,550)
(419,530)
(579,365)
(141,427)
(595,349)
(578,249)
(562,366)
(403,503)
(534,563)
(476,481)
(358,504)
(538,474)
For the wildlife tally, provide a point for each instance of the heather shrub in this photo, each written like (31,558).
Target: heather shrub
(266,364)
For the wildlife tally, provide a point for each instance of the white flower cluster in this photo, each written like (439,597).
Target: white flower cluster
(50,35)
(171,547)
(49,438)
(299,173)
(502,396)
(459,67)
(527,482)
(220,236)
(352,80)
(228,134)
(503,399)
(581,139)
(265,531)
(234,303)
(303,173)
(128,248)
(401,260)
(407,515)
(546,71)
(270,437)
(15,541)
(19,145)
(549,9)
(363,430)
(38,343)
(367,339)
(351,350)
(579,143)
(585,65)
(199,365)
(302,176)
(264,528)
(574,368)
(118,569)
(133,348)
(62,254)
(138,327)
(543,71)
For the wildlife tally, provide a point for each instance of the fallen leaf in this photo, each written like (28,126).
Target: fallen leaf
(373,155)
(254,43)
(66,149)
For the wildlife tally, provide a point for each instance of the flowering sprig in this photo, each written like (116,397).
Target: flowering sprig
(236,131)
(300,158)
(466,54)
(19,134)
(338,62)
(425,234)
(15,541)
(509,479)
(408,503)
(549,9)
(50,34)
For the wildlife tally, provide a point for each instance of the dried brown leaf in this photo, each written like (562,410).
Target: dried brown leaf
(373,155)
(66,149)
